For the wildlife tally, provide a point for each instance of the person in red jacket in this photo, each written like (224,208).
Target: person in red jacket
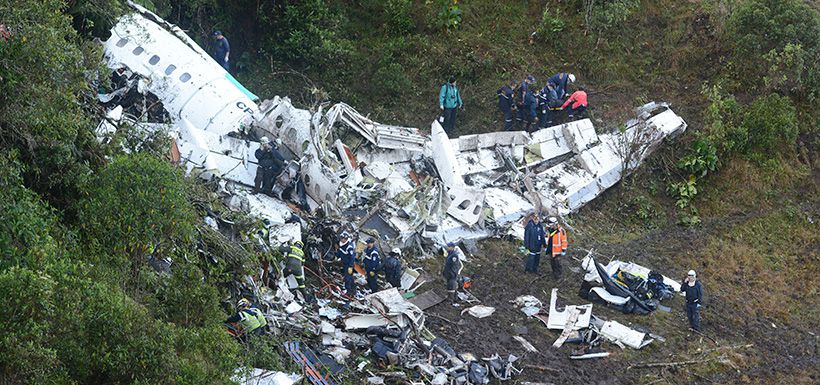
(579,103)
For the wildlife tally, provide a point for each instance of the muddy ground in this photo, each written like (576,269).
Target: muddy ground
(498,278)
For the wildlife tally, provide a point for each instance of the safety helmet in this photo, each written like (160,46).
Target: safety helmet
(370,241)
(264,140)
(298,243)
(692,273)
(552,220)
(396,251)
(243,304)
(344,238)
(572,78)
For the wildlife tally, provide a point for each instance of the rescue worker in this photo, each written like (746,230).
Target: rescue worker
(372,263)
(533,242)
(347,254)
(249,319)
(556,245)
(295,264)
(579,103)
(270,162)
(531,109)
(393,268)
(451,271)
(547,100)
(449,99)
(560,82)
(694,299)
(521,100)
(221,50)
(505,104)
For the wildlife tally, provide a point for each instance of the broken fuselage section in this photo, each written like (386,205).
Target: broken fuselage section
(409,187)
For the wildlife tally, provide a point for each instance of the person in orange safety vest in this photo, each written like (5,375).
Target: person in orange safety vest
(556,245)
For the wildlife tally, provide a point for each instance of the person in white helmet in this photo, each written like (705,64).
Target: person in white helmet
(556,245)
(269,161)
(694,299)
(392,268)
(347,254)
(560,82)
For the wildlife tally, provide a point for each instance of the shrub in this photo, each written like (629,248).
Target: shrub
(701,160)
(722,119)
(602,15)
(551,24)
(780,35)
(398,20)
(311,34)
(771,122)
(135,204)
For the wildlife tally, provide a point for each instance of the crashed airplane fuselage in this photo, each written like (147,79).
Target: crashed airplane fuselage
(407,186)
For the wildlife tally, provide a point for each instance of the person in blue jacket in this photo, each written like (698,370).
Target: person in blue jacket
(372,264)
(347,254)
(449,99)
(560,81)
(530,108)
(533,241)
(451,271)
(505,104)
(521,100)
(221,50)
(694,299)
(547,100)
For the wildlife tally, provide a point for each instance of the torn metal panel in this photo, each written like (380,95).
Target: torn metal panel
(409,278)
(558,320)
(427,300)
(320,182)
(507,206)
(444,157)
(466,204)
(382,135)
(264,207)
(619,333)
(391,302)
(549,143)
(579,135)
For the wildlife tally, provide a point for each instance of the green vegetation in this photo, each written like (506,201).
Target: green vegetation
(80,303)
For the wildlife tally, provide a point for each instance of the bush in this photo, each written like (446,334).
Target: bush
(603,15)
(779,35)
(550,25)
(701,160)
(310,35)
(771,122)
(135,204)
(398,20)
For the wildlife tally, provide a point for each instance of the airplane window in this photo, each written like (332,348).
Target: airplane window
(153,60)
(122,42)
(170,69)
(185,77)
(138,51)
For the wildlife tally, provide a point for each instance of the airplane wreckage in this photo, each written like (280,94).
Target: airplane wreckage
(406,188)
(410,187)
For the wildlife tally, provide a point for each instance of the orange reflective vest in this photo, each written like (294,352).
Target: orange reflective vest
(559,240)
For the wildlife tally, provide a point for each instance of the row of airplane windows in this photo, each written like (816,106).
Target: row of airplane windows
(154,60)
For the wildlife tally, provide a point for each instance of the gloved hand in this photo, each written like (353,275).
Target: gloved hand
(372,274)
(698,306)
(441,106)
(350,270)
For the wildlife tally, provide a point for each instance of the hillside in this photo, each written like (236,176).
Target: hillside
(735,198)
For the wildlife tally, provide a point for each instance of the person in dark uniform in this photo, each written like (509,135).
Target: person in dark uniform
(451,271)
(505,104)
(533,242)
(221,50)
(694,299)
(372,264)
(270,162)
(347,254)
(392,268)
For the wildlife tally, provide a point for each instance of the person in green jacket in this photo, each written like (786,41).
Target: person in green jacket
(449,99)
